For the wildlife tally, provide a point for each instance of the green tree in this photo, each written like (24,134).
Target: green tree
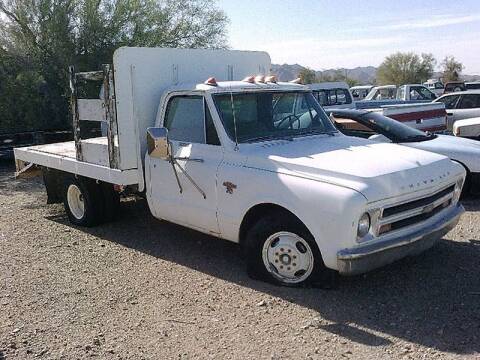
(406,68)
(307,76)
(451,69)
(42,37)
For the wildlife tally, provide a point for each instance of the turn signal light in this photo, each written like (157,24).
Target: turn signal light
(384,228)
(211,81)
(249,79)
(260,79)
(271,79)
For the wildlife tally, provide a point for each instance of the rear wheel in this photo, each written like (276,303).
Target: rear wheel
(83,201)
(281,250)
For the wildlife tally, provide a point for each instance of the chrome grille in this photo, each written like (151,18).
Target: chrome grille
(415,211)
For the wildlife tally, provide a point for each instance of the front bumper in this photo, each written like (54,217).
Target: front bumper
(370,256)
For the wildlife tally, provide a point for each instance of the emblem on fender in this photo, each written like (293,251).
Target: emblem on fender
(229,187)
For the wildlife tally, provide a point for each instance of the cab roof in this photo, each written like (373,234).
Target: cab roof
(238,86)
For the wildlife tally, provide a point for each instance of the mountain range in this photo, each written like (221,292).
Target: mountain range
(362,74)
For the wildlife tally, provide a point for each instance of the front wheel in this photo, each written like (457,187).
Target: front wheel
(282,251)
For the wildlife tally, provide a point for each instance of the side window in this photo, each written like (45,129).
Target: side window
(469,101)
(424,93)
(189,120)
(450,101)
(321,97)
(332,97)
(184,120)
(343,97)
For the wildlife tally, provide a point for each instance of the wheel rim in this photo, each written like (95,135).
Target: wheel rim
(288,257)
(75,200)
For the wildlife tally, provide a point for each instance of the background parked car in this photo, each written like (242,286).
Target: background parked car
(469,128)
(461,105)
(454,86)
(473,85)
(379,128)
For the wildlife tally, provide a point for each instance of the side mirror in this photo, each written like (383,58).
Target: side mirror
(157,142)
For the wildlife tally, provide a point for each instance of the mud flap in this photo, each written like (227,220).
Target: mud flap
(53,180)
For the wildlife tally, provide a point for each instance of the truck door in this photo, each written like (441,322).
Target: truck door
(192,200)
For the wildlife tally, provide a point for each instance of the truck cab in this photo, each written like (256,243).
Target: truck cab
(435,86)
(333,95)
(403,93)
(359,92)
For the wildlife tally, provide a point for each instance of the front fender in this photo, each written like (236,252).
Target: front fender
(330,212)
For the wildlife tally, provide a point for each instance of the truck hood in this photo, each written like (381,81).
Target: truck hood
(377,170)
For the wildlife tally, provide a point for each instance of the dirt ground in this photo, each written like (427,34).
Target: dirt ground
(139,288)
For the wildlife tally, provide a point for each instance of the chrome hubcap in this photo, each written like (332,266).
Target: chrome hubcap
(288,257)
(75,201)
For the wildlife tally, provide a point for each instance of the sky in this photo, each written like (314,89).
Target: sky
(346,34)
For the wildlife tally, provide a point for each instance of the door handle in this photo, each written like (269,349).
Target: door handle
(449,114)
(186,158)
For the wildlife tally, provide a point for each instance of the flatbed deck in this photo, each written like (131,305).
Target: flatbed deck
(62,156)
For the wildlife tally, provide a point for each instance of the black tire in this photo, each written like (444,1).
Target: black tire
(466,190)
(258,234)
(92,200)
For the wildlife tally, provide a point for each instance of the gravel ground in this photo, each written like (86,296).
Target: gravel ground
(141,288)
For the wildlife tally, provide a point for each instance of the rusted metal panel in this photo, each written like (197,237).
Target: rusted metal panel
(91,109)
(74,107)
(90,76)
(26,170)
(110,115)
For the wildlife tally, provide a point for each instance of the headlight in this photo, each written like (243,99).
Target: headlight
(363,225)
(459,184)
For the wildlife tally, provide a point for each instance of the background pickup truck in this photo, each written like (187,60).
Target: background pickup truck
(424,116)
(253,161)
(391,94)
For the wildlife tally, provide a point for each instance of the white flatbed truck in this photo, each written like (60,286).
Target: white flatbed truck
(253,161)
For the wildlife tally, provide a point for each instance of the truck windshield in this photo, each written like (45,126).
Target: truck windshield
(269,115)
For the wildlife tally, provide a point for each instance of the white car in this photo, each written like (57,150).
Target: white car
(469,128)
(461,105)
(379,128)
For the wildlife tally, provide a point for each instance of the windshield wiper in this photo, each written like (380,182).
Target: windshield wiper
(416,138)
(315,131)
(269,137)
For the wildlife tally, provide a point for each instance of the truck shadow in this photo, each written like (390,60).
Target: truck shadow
(432,300)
